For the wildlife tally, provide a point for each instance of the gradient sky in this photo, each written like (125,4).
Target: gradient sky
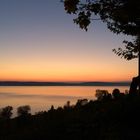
(40,42)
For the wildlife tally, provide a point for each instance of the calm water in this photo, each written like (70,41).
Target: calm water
(41,98)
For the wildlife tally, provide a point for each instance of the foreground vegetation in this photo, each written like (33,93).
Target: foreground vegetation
(110,117)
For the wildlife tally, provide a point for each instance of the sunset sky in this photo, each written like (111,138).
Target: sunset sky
(40,42)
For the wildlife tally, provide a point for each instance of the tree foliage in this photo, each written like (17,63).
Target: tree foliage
(23,110)
(121,16)
(6,112)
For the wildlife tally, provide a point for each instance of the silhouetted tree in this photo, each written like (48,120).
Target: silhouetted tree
(52,108)
(6,112)
(67,105)
(102,95)
(117,94)
(23,110)
(81,102)
(134,85)
(121,16)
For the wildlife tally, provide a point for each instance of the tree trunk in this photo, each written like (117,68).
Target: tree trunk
(139,69)
(135,84)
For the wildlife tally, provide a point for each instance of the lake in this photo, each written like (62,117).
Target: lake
(41,98)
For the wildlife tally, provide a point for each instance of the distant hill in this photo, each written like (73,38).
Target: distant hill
(20,83)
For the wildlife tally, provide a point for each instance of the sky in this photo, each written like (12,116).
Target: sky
(40,42)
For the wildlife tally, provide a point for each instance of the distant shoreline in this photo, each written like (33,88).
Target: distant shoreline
(20,83)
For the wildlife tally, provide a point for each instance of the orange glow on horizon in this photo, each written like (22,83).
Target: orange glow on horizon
(67,72)
(72,69)
(67,77)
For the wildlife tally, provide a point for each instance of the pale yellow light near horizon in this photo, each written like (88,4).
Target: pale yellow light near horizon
(64,71)
(59,62)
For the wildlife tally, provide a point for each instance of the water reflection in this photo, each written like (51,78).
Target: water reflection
(41,98)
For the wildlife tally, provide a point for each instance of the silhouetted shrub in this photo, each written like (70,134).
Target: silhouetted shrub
(102,95)
(67,105)
(6,112)
(40,112)
(117,94)
(81,102)
(23,110)
(126,92)
(52,108)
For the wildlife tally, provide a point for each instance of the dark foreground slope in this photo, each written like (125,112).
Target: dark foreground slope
(105,119)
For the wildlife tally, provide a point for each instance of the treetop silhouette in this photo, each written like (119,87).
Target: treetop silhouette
(121,16)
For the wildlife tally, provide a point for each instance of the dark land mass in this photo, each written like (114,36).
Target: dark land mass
(112,117)
(20,83)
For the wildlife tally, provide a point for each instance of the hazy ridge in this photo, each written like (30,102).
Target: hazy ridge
(21,83)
